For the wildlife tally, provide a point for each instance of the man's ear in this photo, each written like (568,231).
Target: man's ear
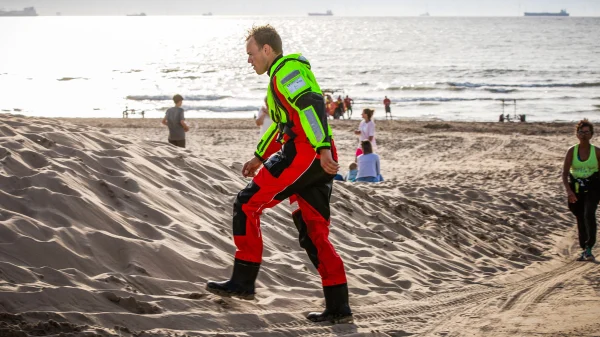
(268,50)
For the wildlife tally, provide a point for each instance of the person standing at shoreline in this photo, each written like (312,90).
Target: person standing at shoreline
(387,105)
(582,183)
(175,120)
(348,102)
(301,169)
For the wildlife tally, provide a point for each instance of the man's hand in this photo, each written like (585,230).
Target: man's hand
(327,162)
(250,167)
(186,128)
(164,121)
(572,197)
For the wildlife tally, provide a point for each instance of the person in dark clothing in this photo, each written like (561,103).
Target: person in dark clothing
(582,182)
(175,120)
(386,103)
(339,109)
(302,169)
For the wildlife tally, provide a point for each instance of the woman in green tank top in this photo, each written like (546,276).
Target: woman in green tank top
(582,183)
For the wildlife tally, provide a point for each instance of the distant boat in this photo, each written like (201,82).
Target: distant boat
(138,14)
(328,13)
(207,14)
(28,11)
(425,14)
(561,13)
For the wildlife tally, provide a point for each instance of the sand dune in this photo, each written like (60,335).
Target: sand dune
(106,229)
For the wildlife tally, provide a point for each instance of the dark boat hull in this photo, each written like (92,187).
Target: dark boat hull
(27,11)
(546,14)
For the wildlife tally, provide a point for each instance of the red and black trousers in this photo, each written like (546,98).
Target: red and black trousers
(294,172)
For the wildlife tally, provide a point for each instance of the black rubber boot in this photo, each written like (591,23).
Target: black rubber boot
(337,309)
(241,284)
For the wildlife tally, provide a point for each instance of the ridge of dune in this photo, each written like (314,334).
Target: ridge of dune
(103,232)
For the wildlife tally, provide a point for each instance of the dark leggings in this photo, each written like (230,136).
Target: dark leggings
(585,212)
(180,143)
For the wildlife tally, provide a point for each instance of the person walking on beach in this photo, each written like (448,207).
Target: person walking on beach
(582,183)
(301,169)
(175,120)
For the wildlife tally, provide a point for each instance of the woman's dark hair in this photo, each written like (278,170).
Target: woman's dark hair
(366,147)
(583,123)
(369,112)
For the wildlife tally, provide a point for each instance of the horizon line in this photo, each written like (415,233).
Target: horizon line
(60,14)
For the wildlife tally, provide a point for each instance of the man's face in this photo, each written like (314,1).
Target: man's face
(257,57)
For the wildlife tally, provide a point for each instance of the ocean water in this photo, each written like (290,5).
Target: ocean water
(430,67)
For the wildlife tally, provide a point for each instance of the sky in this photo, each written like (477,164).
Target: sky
(301,8)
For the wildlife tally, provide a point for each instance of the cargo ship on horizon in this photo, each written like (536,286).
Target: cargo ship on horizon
(28,11)
(561,13)
(328,13)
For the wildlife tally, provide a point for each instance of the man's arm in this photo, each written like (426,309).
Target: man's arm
(310,107)
(314,120)
(266,147)
(314,123)
(268,143)
(250,167)
(186,128)
(293,87)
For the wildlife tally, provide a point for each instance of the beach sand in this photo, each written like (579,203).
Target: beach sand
(106,229)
